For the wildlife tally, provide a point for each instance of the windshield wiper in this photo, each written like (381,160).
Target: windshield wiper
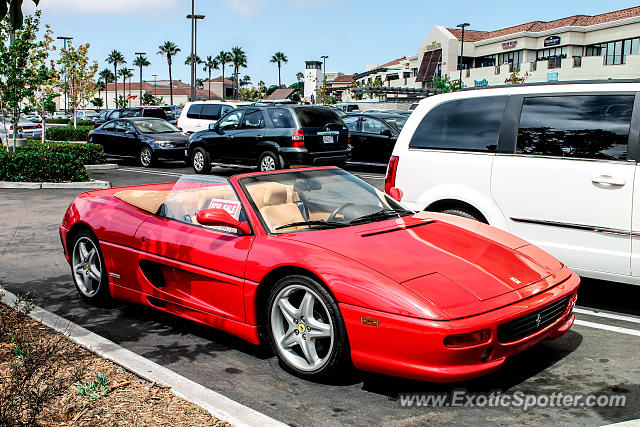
(312,223)
(382,214)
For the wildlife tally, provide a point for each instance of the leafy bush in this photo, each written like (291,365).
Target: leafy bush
(68,133)
(89,154)
(41,166)
(57,121)
(84,123)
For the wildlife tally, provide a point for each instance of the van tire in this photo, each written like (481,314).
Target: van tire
(463,213)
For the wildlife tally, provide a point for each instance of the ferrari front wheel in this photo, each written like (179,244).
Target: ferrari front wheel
(88,268)
(305,327)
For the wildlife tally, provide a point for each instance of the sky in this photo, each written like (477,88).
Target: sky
(353,33)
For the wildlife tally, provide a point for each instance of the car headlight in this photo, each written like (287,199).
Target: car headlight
(165,144)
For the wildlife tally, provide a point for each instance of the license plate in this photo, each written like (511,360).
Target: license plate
(328,139)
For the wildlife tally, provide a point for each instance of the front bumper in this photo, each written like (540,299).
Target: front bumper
(301,156)
(176,153)
(414,348)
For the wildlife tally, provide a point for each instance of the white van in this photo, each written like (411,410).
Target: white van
(555,164)
(197,116)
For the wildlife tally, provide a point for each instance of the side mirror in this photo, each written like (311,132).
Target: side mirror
(395,193)
(221,218)
(213,126)
(386,132)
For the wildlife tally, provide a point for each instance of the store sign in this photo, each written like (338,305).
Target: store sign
(552,76)
(509,45)
(433,46)
(480,83)
(552,41)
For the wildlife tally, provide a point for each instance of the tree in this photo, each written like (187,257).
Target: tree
(212,64)
(245,81)
(116,58)
(141,61)
(97,102)
(125,73)
(170,49)
(299,76)
(121,102)
(223,59)
(445,84)
(149,99)
(279,58)
(76,65)
(23,67)
(106,76)
(239,60)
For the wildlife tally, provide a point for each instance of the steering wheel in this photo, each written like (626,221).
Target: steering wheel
(337,210)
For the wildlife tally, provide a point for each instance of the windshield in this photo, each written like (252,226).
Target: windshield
(396,122)
(305,200)
(155,126)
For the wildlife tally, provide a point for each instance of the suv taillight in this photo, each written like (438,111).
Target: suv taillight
(298,138)
(390,178)
(348,137)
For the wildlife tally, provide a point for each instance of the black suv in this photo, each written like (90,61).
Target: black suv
(272,137)
(122,113)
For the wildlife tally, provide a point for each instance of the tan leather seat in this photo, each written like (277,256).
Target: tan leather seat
(277,208)
(258,190)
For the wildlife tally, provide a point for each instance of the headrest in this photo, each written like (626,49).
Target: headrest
(275,195)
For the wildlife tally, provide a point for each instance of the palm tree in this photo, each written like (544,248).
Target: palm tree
(106,76)
(116,58)
(170,49)
(246,81)
(125,73)
(223,59)
(239,60)
(212,64)
(279,58)
(141,61)
(299,76)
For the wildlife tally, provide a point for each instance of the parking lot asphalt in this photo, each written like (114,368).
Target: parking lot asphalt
(599,355)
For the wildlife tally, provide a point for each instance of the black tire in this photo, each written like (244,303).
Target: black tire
(465,213)
(337,358)
(269,161)
(102,293)
(201,161)
(146,157)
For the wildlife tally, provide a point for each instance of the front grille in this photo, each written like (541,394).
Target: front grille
(532,322)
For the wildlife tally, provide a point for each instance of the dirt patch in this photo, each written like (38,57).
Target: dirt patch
(47,379)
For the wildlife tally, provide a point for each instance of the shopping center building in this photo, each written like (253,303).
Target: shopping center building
(579,47)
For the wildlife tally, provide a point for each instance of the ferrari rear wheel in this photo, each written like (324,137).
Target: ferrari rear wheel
(306,329)
(88,268)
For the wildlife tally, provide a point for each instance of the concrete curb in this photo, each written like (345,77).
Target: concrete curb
(91,185)
(215,403)
(104,166)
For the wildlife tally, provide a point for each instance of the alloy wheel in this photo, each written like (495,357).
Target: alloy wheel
(268,163)
(145,157)
(198,161)
(87,267)
(302,328)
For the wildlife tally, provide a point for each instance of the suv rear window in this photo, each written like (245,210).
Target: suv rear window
(194,111)
(281,118)
(154,112)
(579,126)
(318,117)
(471,124)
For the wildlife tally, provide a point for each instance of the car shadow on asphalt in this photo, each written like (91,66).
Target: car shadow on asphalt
(611,296)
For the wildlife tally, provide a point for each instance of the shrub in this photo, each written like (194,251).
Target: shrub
(57,121)
(68,133)
(88,154)
(41,166)
(83,123)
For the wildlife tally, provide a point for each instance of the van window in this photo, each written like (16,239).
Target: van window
(210,112)
(579,126)
(194,111)
(466,124)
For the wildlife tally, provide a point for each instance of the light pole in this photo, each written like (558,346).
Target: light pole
(130,75)
(324,60)
(140,55)
(194,46)
(155,83)
(64,40)
(463,26)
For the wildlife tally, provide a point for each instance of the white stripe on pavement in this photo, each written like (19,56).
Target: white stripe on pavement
(606,315)
(150,172)
(361,175)
(607,327)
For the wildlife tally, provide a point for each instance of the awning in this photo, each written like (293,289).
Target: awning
(429,64)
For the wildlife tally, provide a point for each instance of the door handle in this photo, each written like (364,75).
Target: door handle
(259,136)
(229,136)
(608,180)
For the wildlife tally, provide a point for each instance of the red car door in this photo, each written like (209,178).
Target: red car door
(196,267)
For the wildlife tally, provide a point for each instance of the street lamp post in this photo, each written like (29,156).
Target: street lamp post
(130,75)
(155,83)
(324,60)
(140,55)
(463,26)
(64,40)
(194,46)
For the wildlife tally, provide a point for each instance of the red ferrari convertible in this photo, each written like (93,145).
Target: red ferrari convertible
(326,268)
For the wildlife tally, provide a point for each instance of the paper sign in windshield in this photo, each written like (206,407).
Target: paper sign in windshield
(231,206)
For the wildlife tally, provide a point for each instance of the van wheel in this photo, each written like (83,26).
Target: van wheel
(464,213)
(201,161)
(269,161)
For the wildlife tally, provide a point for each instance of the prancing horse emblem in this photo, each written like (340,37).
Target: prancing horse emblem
(538,320)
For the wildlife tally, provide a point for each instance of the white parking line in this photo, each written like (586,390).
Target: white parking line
(606,315)
(361,175)
(607,327)
(150,172)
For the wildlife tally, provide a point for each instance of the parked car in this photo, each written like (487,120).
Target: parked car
(338,110)
(554,164)
(26,129)
(373,135)
(156,112)
(327,269)
(59,115)
(348,108)
(413,106)
(102,115)
(31,117)
(147,139)
(172,117)
(272,137)
(197,116)
(86,115)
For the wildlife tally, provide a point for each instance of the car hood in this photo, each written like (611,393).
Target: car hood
(173,137)
(444,263)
